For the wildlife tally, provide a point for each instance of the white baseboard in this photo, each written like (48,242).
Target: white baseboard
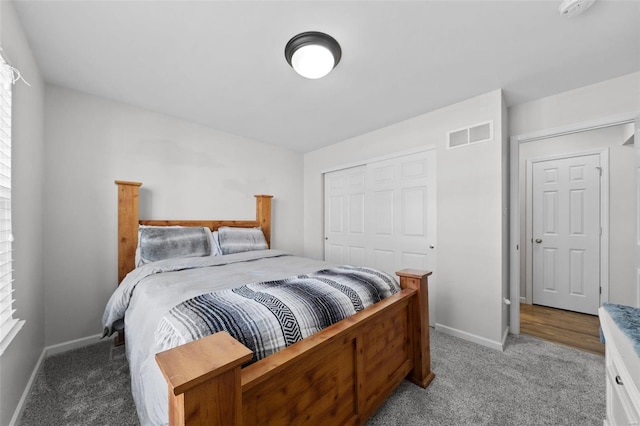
(27,390)
(470,337)
(73,344)
(48,351)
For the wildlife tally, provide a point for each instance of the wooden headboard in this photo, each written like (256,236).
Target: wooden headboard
(128,221)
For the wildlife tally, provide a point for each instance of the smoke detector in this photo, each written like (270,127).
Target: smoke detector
(571,8)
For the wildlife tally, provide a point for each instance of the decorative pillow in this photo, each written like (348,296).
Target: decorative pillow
(238,240)
(167,242)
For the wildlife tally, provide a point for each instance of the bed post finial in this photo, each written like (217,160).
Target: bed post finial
(263,215)
(127,226)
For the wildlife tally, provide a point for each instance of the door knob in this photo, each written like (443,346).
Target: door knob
(538,240)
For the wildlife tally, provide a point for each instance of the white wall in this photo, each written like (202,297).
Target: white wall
(18,361)
(609,98)
(469,271)
(188,172)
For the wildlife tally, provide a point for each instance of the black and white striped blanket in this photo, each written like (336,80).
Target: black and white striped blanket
(269,316)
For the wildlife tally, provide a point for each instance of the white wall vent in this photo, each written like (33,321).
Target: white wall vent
(478,133)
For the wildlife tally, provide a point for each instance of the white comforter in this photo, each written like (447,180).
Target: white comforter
(149,292)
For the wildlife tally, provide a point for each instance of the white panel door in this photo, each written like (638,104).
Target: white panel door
(344,216)
(383,215)
(566,233)
(401,216)
(401,212)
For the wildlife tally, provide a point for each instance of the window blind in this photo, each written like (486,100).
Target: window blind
(9,325)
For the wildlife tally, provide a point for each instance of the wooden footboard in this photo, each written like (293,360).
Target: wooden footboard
(340,375)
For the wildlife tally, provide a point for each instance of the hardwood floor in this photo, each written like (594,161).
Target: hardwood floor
(567,328)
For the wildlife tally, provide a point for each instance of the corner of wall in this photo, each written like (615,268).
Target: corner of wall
(506,223)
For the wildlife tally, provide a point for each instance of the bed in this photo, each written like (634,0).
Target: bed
(339,375)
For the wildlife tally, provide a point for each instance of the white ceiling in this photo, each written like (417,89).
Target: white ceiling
(221,64)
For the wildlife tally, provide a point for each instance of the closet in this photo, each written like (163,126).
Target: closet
(382,214)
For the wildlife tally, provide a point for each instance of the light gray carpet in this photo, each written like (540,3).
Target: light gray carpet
(532,382)
(86,386)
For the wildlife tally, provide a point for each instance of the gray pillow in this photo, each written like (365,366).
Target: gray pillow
(168,242)
(238,240)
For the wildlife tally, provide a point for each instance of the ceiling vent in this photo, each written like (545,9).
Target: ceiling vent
(478,133)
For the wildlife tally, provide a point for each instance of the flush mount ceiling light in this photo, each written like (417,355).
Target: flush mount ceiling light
(313,54)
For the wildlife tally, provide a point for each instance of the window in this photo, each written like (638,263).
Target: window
(9,326)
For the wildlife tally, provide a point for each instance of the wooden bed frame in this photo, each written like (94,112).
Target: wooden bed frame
(340,375)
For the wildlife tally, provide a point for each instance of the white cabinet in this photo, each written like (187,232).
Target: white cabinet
(622,374)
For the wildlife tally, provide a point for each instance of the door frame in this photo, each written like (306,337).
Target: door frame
(637,153)
(367,160)
(514,196)
(604,220)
